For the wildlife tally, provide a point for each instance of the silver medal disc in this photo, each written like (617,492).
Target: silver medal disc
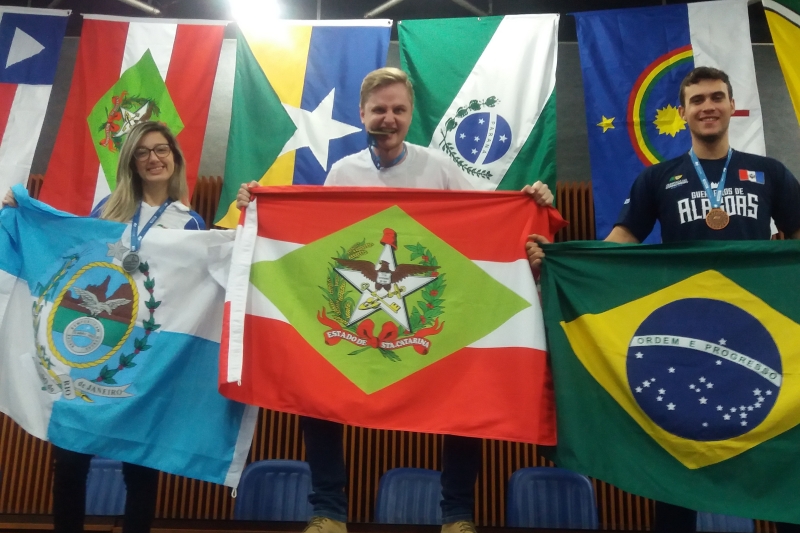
(131,262)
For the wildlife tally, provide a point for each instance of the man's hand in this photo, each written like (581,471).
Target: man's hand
(243,197)
(540,193)
(9,199)
(535,253)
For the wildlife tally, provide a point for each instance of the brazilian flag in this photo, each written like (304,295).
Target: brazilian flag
(677,370)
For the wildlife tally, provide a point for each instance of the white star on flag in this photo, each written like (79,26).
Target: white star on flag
(769,393)
(638,389)
(477,139)
(702,380)
(742,415)
(659,398)
(316,129)
(719,408)
(116,250)
(502,138)
(744,423)
(662,391)
(709,385)
(671,370)
(719,362)
(756,392)
(671,406)
(639,355)
(462,136)
(481,121)
(722,342)
(703,401)
(726,416)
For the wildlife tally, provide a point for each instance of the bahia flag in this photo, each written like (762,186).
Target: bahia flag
(633,61)
(296,101)
(783,17)
(100,360)
(677,370)
(30,44)
(129,70)
(485,95)
(375,308)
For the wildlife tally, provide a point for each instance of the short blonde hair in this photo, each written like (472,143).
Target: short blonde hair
(381,78)
(127,195)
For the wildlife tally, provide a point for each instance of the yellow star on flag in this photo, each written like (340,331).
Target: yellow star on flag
(606,123)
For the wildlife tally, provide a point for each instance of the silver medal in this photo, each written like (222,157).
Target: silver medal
(131,262)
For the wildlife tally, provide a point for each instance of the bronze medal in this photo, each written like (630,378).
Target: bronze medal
(717,219)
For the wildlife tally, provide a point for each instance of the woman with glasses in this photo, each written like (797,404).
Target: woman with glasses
(151,191)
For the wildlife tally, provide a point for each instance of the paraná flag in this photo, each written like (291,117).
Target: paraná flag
(633,62)
(485,95)
(374,307)
(129,70)
(677,370)
(296,101)
(30,44)
(783,17)
(121,364)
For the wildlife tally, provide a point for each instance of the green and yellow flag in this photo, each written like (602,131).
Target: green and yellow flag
(677,370)
(783,17)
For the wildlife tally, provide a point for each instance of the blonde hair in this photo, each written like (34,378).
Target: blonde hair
(122,203)
(381,78)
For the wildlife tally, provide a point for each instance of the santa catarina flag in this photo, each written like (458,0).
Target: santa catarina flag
(296,99)
(485,95)
(100,360)
(30,44)
(783,17)
(677,370)
(377,308)
(130,70)
(633,62)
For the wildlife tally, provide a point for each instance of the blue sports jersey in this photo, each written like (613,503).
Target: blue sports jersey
(757,188)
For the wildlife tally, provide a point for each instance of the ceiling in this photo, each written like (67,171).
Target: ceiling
(354,9)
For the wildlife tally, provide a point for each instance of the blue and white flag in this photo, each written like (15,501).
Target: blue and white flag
(123,365)
(30,45)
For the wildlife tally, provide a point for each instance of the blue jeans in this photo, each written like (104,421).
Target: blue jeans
(461,461)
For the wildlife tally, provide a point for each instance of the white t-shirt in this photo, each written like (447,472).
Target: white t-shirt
(423,168)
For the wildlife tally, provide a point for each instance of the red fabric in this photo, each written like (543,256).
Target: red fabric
(190,81)
(459,394)
(466,220)
(71,175)
(500,393)
(7,93)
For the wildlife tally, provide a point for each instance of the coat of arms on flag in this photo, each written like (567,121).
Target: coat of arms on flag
(100,360)
(380,295)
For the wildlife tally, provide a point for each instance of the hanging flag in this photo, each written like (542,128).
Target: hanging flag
(485,95)
(304,80)
(688,369)
(30,44)
(633,62)
(379,310)
(129,70)
(783,17)
(98,360)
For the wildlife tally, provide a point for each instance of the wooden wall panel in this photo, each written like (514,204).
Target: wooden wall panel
(25,461)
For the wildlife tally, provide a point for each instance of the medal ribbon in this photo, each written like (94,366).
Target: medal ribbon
(136,238)
(377,161)
(715,197)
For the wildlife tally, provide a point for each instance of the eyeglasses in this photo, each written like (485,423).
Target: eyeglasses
(143,154)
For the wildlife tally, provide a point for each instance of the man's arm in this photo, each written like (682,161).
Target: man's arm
(622,235)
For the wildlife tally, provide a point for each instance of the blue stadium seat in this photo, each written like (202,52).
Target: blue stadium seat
(721,522)
(409,496)
(550,498)
(105,488)
(274,490)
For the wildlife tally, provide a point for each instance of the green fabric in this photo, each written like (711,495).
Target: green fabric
(598,437)
(258,132)
(437,82)
(139,94)
(537,159)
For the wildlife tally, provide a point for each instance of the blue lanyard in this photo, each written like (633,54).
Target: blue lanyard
(377,161)
(715,197)
(136,238)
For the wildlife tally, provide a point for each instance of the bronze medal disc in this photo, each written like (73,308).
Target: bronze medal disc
(717,219)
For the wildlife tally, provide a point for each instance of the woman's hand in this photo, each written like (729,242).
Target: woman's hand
(9,199)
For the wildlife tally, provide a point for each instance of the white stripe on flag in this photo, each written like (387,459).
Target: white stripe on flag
(783,11)
(526,45)
(720,35)
(22,133)
(156,37)
(526,328)
(242,448)
(237,289)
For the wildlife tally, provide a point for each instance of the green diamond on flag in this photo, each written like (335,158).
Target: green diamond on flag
(485,95)
(416,312)
(139,95)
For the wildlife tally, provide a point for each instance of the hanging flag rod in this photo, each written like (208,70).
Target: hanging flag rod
(466,4)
